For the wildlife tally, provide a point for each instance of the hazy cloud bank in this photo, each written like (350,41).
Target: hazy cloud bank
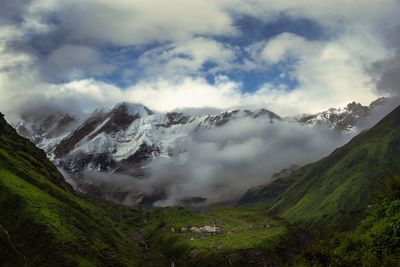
(222,163)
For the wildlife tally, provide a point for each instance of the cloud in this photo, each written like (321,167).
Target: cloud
(71,62)
(165,95)
(175,53)
(223,162)
(138,22)
(186,58)
(287,45)
(331,71)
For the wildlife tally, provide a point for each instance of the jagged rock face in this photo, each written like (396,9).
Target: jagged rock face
(220,119)
(265,113)
(101,162)
(175,118)
(124,138)
(101,122)
(341,119)
(68,144)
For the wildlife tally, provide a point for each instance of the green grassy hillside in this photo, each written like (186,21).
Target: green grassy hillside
(333,193)
(47,224)
(375,241)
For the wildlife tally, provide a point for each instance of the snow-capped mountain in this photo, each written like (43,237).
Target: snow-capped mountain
(344,119)
(123,139)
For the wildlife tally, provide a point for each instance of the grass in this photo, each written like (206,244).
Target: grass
(374,242)
(242,229)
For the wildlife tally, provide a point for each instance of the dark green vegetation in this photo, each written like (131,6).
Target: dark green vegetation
(334,193)
(375,241)
(343,210)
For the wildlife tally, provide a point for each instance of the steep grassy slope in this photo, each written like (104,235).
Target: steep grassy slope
(375,242)
(43,220)
(333,193)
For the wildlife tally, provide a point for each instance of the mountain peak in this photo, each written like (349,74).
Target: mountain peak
(132,108)
(341,118)
(353,105)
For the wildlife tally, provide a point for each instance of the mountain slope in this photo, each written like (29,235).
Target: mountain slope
(374,242)
(50,225)
(335,191)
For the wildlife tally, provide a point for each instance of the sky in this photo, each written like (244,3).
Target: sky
(290,57)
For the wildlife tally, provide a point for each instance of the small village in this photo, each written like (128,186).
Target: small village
(209,229)
(194,229)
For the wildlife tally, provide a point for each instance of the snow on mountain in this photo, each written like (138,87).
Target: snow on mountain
(132,132)
(126,133)
(123,138)
(46,132)
(344,119)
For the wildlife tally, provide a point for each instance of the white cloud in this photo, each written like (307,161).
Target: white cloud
(223,162)
(330,72)
(186,57)
(190,92)
(136,22)
(127,22)
(288,45)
